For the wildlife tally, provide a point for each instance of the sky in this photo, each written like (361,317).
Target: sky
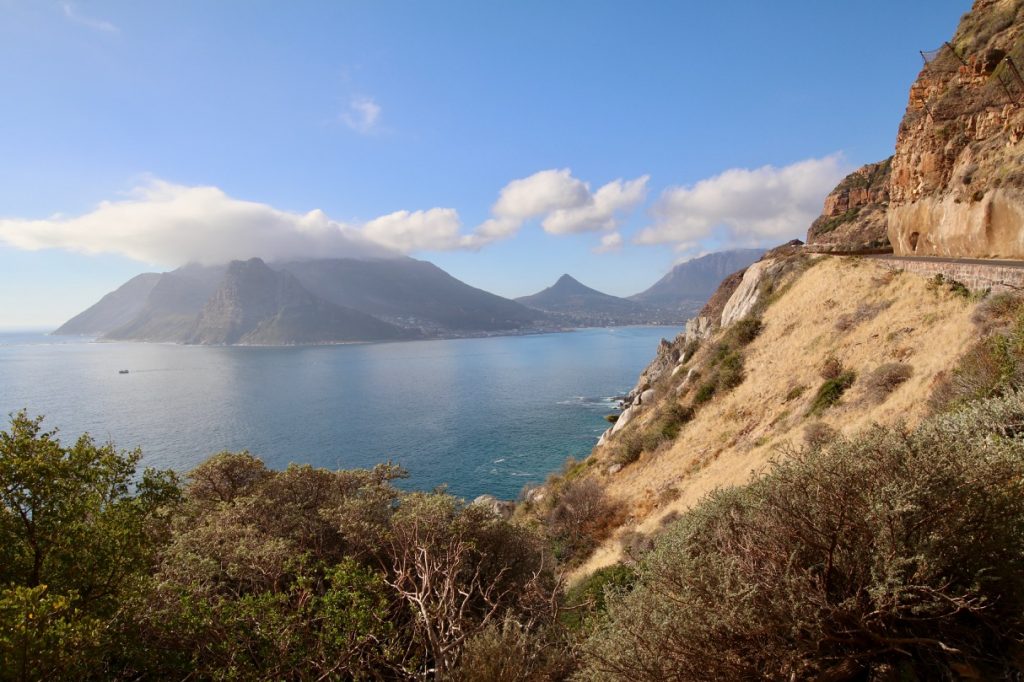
(506,142)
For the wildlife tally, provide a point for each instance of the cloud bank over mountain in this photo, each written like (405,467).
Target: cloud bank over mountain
(171,224)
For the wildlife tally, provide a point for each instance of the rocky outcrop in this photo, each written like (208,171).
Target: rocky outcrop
(748,293)
(854,218)
(957,186)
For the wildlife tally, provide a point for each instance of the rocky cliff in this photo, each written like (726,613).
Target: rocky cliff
(957,186)
(855,215)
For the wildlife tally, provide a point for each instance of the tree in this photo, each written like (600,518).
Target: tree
(77,528)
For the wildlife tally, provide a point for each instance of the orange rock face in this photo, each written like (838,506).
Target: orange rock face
(957,184)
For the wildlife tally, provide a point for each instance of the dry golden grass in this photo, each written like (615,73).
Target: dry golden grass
(735,436)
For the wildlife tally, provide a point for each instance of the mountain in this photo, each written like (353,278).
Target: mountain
(301,302)
(117,308)
(255,305)
(171,307)
(688,285)
(410,293)
(575,303)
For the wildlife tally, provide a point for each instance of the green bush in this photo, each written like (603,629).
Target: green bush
(830,392)
(896,555)
(993,366)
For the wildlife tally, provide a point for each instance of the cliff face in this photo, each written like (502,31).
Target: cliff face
(957,186)
(854,217)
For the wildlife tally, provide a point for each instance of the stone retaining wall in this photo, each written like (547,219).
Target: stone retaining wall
(975,276)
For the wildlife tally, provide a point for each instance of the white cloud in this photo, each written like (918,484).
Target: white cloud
(72,14)
(602,209)
(170,225)
(749,206)
(609,242)
(362,115)
(436,229)
(565,204)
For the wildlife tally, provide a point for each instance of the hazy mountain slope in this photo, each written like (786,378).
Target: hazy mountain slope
(859,312)
(256,305)
(172,305)
(572,303)
(689,284)
(411,291)
(568,295)
(117,308)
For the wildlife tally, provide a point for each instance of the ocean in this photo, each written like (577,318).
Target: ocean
(485,415)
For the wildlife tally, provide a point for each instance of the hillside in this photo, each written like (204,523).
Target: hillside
(256,305)
(411,293)
(115,309)
(171,306)
(575,303)
(688,285)
(748,401)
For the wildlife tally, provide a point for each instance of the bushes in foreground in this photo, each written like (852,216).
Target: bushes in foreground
(244,572)
(897,555)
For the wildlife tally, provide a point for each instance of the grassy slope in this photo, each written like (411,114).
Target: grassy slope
(736,435)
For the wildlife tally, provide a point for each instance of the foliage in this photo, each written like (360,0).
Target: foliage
(579,517)
(507,652)
(994,365)
(831,391)
(76,529)
(940,282)
(588,598)
(896,554)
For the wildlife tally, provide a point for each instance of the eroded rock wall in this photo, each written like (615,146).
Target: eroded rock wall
(957,185)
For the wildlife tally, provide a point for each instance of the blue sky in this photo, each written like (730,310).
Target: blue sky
(506,142)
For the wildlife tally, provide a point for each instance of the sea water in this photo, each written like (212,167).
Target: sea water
(485,415)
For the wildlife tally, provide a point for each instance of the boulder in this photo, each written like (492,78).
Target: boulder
(743,300)
(625,418)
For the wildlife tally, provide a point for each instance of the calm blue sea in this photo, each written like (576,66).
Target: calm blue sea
(482,415)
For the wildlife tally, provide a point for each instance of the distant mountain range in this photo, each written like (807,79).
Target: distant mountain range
(576,304)
(689,285)
(342,299)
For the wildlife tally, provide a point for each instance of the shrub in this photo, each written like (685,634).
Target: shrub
(742,332)
(818,434)
(830,392)
(589,596)
(795,392)
(895,555)
(581,516)
(885,379)
(863,313)
(509,652)
(689,350)
(940,282)
(705,393)
(993,366)
(830,368)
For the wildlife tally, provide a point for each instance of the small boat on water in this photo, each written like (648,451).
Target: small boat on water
(122,371)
